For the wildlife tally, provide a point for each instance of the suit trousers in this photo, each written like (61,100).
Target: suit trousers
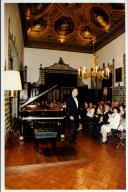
(74,124)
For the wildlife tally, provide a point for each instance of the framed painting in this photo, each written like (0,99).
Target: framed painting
(118,72)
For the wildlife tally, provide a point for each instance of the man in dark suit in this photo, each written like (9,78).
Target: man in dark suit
(73,112)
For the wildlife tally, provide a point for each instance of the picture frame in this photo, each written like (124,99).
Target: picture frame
(118,74)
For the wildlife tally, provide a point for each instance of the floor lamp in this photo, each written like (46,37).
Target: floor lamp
(12,84)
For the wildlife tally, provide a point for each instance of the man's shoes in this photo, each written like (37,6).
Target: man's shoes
(104,142)
(80,128)
(72,143)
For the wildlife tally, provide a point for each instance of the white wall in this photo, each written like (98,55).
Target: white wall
(11,10)
(34,57)
(114,49)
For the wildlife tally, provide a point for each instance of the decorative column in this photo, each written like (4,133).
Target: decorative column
(124,77)
(41,80)
(25,74)
(113,77)
(119,88)
(42,75)
(92,82)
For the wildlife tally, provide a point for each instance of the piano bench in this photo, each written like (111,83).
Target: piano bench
(45,133)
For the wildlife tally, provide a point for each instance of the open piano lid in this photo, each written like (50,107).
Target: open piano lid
(31,99)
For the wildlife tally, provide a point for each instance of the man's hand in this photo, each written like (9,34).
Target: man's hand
(71,118)
(79,117)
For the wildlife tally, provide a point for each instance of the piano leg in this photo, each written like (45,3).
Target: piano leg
(60,129)
(21,137)
(53,143)
(36,147)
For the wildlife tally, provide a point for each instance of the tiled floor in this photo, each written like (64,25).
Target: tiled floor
(104,168)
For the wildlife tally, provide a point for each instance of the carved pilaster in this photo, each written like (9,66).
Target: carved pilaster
(124,69)
(25,74)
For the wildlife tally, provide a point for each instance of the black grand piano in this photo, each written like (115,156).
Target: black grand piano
(36,118)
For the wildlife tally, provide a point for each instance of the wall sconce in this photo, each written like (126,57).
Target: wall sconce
(12,82)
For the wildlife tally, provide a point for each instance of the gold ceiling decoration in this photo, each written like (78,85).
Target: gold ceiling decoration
(69,26)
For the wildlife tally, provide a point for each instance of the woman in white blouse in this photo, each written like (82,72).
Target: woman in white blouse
(90,110)
(114,121)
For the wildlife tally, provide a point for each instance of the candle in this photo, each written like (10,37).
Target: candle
(96,68)
(102,73)
(84,69)
(107,72)
(79,71)
(83,73)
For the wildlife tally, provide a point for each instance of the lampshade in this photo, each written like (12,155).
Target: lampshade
(12,80)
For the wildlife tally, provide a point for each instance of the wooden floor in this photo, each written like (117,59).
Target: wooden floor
(86,165)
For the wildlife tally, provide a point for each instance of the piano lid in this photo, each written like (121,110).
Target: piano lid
(31,99)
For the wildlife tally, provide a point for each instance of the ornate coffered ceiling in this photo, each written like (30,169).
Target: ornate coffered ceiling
(71,26)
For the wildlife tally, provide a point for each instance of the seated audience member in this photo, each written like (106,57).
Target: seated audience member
(102,103)
(90,115)
(114,121)
(122,110)
(105,116)
(108,102)
(117,104)
(122,125)
(112,106)
(100,109)
(101,118)
(51,105)
(95,106)
(90,110)
(84,115)
(63,105)
(46,105)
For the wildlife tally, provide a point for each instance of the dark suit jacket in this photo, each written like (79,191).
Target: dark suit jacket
(72,109)
(105,118)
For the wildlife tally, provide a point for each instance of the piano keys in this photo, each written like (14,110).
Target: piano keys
(32,118)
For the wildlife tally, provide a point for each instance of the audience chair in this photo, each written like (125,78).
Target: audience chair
(122,136)
(117,134)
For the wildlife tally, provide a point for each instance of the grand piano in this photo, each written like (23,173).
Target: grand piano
(35,116)
(59,79)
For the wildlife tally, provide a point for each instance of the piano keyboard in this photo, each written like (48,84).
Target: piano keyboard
(42,118)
